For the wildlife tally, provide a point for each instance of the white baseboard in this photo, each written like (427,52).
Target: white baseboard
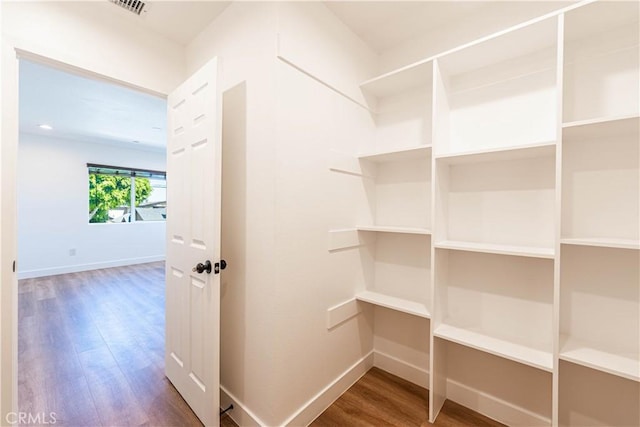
(476,400)
(321,401)
(31,274)
(240,414)
(402,369)
(493,407)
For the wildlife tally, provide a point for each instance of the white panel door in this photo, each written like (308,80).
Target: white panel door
(193,237)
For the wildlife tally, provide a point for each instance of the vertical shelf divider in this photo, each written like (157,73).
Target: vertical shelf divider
(437,359)
(555,392)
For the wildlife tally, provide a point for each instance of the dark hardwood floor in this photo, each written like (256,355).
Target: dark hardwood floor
(382,399)
(91,350)
(91,353)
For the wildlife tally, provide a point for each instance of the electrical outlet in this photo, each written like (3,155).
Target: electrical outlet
(72,252)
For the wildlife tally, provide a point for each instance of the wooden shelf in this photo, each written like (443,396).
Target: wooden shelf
(410,153)
(398,304)
(602,242)
(543,149)
(508,350)
(400,80)
(490,248)
(600,128)
(393,229)
(626,365)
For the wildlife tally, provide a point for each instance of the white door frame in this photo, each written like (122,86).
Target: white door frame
(10,55)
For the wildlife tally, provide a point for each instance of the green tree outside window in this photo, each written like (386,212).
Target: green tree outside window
(110,191)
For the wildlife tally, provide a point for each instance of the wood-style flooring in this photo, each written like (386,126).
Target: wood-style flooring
(91,353)
(91,350)
(382,399)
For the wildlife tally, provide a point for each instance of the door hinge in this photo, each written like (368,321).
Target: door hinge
(14,266)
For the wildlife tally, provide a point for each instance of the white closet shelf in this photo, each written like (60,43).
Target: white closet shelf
(394,303)
(532,36)
(597,18)
(506,349)
(400,80)
(409,153)
(492,48)
(542,149)
(490,248)
(600,128)
(602,242)
(626,365)
(393,229)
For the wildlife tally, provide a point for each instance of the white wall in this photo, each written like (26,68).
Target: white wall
(311,200)
(87,35)
(317,115)
(278,359)
(95,36)
(53,209)
(312,39)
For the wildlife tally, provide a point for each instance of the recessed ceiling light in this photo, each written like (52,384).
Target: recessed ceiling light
(156,128)
(45,126)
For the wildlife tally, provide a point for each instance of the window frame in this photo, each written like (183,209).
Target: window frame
(132,173)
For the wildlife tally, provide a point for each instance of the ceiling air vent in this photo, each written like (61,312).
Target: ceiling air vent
(135,6)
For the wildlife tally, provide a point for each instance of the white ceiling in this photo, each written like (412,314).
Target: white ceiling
(179,21)
(89,110)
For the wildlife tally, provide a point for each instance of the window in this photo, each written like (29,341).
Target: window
(119,194)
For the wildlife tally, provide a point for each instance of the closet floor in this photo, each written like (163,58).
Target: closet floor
(382,399)
(91,351)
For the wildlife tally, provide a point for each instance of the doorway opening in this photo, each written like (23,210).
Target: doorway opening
(91,294)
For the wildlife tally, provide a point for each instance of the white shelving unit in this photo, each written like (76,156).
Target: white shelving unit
(601,183)
(402,105)
(394,230)
(397,185)
(504,206)
(495,137)
(394,155)
(399,304)
(583,353)
(601,79)
(399,193)
(502,348)
(478,377)
(600,309)
(603,242)
(467,278)
(592,398)
(397,268)
(599,305)
(401,230)
(399,81)
(498,93)
(488,248)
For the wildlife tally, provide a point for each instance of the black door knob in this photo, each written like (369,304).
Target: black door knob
(201,268)
(219,266)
